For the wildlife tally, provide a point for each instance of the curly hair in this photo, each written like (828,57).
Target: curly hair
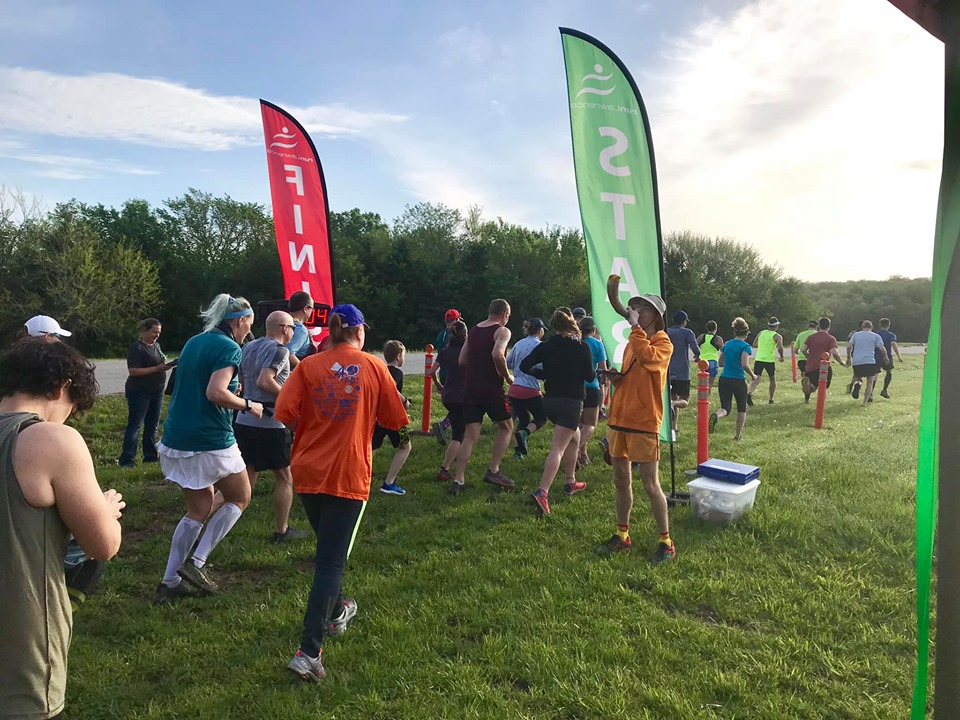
(35,367)
(740,326)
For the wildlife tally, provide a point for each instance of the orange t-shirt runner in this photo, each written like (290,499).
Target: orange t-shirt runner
(637,404)
(334,398)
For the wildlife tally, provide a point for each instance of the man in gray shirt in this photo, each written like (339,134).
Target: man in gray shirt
(265,442)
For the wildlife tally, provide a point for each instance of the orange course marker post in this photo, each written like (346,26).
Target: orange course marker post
(793,361)
(821,389)
(427,389)
(703,412)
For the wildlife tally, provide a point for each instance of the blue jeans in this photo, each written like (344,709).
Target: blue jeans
(143,409)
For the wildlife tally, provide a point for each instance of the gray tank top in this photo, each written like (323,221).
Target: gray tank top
(35,619)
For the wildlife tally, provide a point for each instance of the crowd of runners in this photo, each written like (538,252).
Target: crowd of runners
(313,416)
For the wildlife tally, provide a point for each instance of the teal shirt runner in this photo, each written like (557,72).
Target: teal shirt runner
(599,354)
(732,353)
(194,423)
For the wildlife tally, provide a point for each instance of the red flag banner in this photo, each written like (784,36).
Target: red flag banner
(301,214)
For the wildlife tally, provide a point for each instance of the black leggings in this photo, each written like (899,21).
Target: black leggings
(523,410)
(334,521)
(730,388)
(457,426)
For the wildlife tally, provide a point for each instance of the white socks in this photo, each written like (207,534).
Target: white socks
(218,526)
(184,537)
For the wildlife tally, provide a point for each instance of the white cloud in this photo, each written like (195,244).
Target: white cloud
(124,108)
(69,167)
(811,130)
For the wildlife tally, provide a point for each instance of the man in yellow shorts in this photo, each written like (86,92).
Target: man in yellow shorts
(636,412)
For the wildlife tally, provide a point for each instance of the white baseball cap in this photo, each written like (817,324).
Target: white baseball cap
(40,325)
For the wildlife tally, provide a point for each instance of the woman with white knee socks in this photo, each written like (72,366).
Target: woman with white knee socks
(198,450)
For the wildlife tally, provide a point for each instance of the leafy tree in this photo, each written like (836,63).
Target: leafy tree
(65,269)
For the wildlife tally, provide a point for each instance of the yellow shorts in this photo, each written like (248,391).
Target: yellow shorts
(636,447)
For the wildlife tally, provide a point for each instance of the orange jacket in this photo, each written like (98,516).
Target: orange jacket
(335,397)
(637,402)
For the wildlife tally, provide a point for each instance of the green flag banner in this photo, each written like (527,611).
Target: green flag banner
(616,184)
(938,417)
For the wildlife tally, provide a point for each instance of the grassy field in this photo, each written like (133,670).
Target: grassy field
(473,607)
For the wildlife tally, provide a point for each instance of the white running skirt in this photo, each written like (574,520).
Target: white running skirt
(196,470)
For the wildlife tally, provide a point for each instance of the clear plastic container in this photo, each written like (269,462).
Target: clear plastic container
(720,503)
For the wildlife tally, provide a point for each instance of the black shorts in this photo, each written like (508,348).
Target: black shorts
(814,376)
(594,397)
(866,371)
(564,412)
(730,388)
(759,367)
(680,388)
(496,411)
(397,437)
(457,426)
(802,364)
(264,448)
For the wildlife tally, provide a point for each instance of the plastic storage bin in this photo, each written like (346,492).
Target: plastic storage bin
(720,503)
(727,471)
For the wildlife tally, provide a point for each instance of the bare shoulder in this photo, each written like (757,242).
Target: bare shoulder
(43,452)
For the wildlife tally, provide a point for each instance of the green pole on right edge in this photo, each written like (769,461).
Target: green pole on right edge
(938,463)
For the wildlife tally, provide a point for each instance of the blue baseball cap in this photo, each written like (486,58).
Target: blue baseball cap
(680,316)
(352,317)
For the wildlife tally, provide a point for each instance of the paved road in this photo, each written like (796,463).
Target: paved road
(112,374)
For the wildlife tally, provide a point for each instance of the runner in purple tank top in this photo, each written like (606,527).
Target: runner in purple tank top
(484,359)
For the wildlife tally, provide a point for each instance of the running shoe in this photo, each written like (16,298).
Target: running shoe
(166,594)
(128,465)
(198,578)
(444,475)
(770,402)
(521,436)
(290,534)
(884,393)
(347,613)
(497,478)
(856,390)
(456,488)
(307,668)
(664,553)
(542,501)
(519,456)
(439,434)
(713,422)
(616,545)
(750,399)
(392,489)
(572,488)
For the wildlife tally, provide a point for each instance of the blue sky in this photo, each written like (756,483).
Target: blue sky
(807,129)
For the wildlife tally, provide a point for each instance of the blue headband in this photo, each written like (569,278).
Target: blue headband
(238,314)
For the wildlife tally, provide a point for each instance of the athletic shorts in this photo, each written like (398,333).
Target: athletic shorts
(866,371)
(802,365)
(264,448)
(457,426)
(398,438)
(197,470)
(713,368)
(680,388)
(564,412)
(635,446)
(730,388)
(814,376)
(759,367)
(496,411)
(594,397)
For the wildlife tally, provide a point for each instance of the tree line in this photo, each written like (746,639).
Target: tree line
(98,270)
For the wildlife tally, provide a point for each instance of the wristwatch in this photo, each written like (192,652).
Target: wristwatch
(247,400)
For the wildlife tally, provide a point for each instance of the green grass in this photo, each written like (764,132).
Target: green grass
(472,607)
